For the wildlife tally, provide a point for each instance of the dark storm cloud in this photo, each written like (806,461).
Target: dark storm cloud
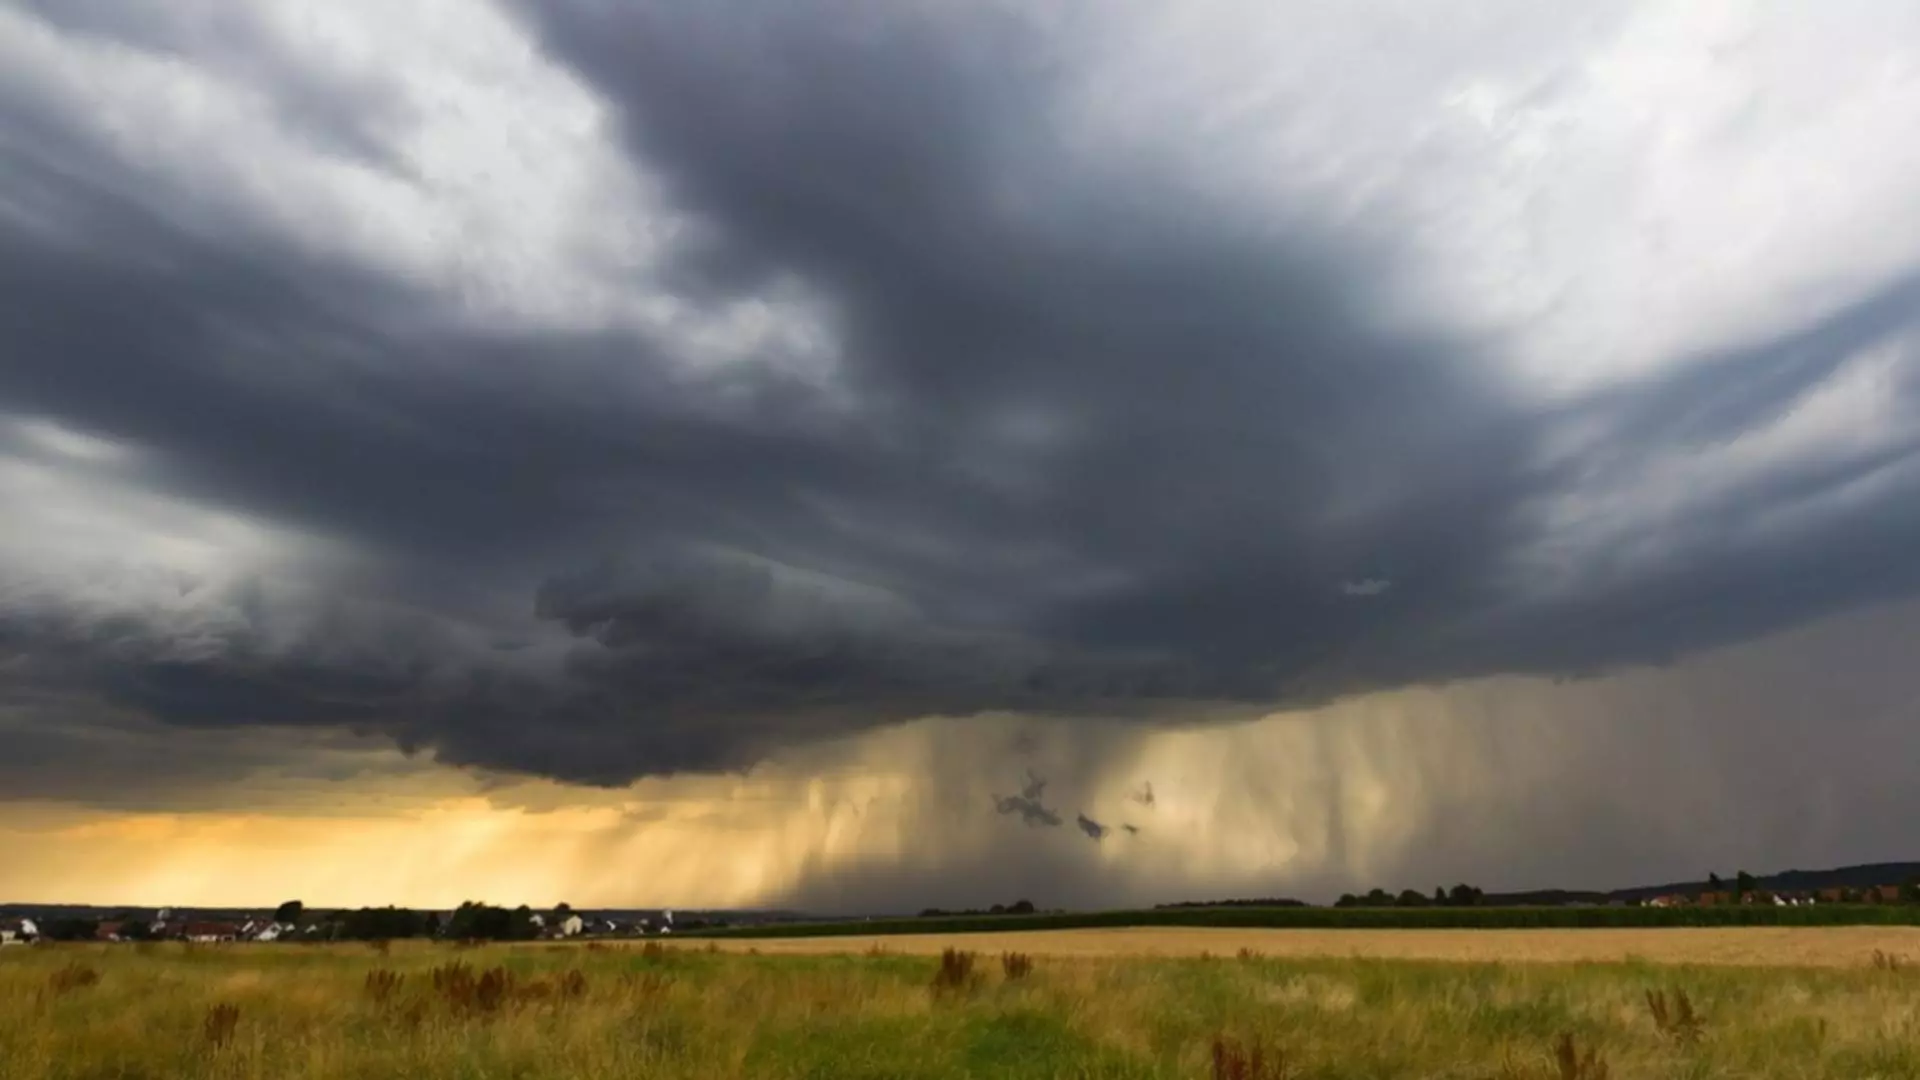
(1095,447)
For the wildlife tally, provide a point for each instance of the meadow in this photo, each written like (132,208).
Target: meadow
(584,1012)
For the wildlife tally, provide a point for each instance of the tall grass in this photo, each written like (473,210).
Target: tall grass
(533,1013)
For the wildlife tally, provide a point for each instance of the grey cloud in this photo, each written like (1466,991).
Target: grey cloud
(1092,828)
(1095,448)
(1027,805)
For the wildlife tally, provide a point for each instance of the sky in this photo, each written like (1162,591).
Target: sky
(861,457)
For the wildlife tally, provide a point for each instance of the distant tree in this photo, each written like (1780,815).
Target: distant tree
(1412,898)
(1744,885)
(70,929)
(997,909)
(562,909)
(1021,907)
(1347,900)
(1378,897)
(1713,881)
(1910,892)
(382,924)
(1463,895)
(520,925)
(485,922)
(1439,894)
(135,930)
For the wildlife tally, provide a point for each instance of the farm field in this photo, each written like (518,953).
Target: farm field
(1797,946)
(547,1012)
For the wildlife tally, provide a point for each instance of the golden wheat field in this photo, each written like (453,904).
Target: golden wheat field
(1810,946)
(586,1012)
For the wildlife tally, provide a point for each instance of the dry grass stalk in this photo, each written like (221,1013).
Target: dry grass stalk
(1249,954)
(219,1024)
(382,984)
(955,972)
(381,946)
(74,976)
(447,975)
(1573,1065)
(572,986)
(1675,1018)
(1016,965)
(653,950)
(1233,1061)
(1886,961)
(644,984)
(470,995)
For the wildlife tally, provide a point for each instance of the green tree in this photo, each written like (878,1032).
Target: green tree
(289,912)
(1439,895)
(520,925)
(1412,898)
(1743,885)
(1910,892)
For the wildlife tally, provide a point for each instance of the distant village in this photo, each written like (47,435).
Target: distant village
(292,922)
(473,922)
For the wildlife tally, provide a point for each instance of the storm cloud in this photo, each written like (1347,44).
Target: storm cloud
(741,376)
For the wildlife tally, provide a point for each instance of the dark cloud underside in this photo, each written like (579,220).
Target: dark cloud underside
(1090,445)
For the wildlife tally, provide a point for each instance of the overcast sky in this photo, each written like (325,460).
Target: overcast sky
(877,454)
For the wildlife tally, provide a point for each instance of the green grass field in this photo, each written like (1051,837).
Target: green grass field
(581,1013)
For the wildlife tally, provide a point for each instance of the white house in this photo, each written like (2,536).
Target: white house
(572,925)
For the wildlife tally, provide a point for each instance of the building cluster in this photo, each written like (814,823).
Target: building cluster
(1871,894)
(167,925)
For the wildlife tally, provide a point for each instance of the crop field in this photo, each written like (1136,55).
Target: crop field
(1363,918)
(586,1012)
(1769,946)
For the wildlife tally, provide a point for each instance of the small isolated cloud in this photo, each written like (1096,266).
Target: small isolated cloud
(1365,587)
(1092,828)
(1143,796)
(1027,804)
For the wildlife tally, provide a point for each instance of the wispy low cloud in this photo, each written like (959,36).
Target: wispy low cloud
(1092,828)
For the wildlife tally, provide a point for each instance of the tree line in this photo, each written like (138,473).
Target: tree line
(1459,896)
